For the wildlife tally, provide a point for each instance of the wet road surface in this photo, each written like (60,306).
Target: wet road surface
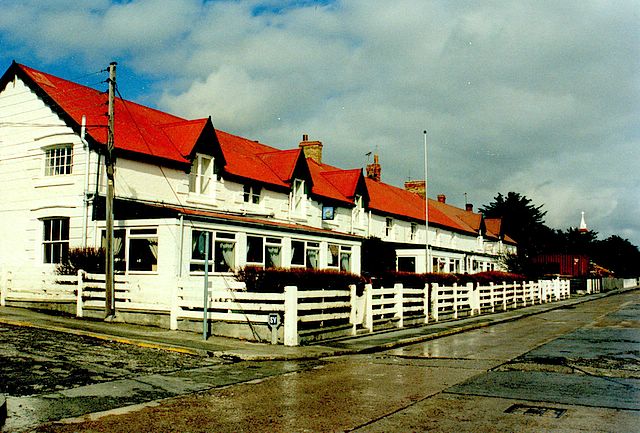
(573,369)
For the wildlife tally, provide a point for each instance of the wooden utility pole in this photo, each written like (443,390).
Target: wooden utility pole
(109,306)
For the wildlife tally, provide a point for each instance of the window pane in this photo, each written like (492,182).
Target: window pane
(255,249)
(312,258)
(273,257)
(55,240)
(332,259)
(119,237)
(345,262)
(297,253)
(198,245)
(224,256)
(143,254)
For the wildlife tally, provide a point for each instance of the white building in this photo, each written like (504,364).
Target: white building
(176,179)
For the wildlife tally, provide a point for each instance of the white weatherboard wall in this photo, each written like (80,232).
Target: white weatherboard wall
(27,195)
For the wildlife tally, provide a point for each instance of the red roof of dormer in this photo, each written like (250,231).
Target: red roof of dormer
(148,132)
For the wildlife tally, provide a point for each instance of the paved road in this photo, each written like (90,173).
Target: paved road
(572,370)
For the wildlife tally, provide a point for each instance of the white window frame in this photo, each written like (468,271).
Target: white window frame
(202,181)
(267,242)
(413,232)
(308,247)
(123,260)
(389,227)
(55,236)
(298,198)
(342,251)
(215,237)
(251,194)
(358,211)
(58,160)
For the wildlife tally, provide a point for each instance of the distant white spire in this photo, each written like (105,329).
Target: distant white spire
(583,224)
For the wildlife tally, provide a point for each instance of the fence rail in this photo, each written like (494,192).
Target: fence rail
(302,311)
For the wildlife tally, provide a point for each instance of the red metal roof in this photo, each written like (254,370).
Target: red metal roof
(149,132)
(137,128)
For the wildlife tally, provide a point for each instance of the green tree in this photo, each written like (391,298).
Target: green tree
(618,255)
(521,220)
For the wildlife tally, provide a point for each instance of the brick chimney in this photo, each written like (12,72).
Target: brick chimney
(311,149)
(416,186)
(469,207)
(374,171)
(442,198)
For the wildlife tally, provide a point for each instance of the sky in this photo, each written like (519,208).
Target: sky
(537,97)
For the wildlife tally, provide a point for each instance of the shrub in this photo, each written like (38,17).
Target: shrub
(275,279)
(88,259)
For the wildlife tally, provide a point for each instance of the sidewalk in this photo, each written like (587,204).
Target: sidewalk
(231,349)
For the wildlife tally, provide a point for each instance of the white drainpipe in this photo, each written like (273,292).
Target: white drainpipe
(85,201)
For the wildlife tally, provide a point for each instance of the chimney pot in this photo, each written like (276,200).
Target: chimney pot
(442,198)
(469,207)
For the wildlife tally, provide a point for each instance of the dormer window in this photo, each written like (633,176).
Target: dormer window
(413,235)
(202,177)
(298,197)
(58,160)
(358,211)
(251,194)
(388,229)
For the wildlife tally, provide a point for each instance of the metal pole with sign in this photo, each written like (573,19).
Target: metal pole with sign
(205,310)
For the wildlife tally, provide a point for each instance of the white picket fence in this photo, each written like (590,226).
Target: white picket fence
(302,311)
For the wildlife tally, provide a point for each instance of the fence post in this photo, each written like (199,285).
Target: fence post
(79,294)
(474,298)
(434,300)
(425,302)
(352,314)
(368,307)
(4,287)
(455,300)
(290,316)
(399,301)
(504,296)
(175,306)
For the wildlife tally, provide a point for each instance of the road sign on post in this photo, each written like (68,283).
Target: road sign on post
(274,324)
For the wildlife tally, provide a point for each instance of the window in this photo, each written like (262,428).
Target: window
(406,264)
(339,256)
(298,197)
(263,251)
(388,227)
(202,177)
(143,250)
(358,211)
(251,194)
(222,251)
(305,254)
(55,240)
(58,160)
(134,249)
(414,232)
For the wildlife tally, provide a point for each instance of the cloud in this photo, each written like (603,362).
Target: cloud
(537,97)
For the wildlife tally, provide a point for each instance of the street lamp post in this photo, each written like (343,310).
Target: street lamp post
(427,256)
